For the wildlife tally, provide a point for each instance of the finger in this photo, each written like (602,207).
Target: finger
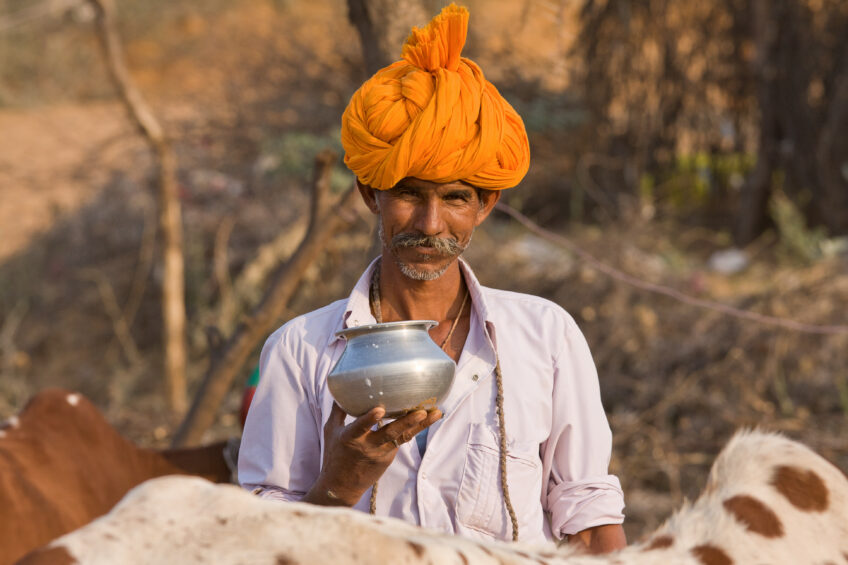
(401,430)
(364,423)
(433,416)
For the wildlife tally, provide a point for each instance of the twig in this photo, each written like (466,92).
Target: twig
(588,184)
(145,261)
(119,323)
(323,225)
(665,290)
(7,334)
(222,267)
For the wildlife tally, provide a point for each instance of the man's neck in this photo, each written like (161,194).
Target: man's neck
(403,298)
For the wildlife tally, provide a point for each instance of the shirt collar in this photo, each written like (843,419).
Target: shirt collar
(358,307)
(478,300)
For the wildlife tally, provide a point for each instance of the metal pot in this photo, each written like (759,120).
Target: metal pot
(395,364)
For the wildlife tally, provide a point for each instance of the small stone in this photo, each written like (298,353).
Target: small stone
(728,261)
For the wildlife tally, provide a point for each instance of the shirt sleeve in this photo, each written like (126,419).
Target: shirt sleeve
(280,454)
(580,492)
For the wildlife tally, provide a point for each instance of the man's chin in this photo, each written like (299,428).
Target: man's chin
(424,271)
(417,274)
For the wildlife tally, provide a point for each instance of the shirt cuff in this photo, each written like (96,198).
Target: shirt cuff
(578,505)
(269,492)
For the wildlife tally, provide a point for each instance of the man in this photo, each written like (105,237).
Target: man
(520,447)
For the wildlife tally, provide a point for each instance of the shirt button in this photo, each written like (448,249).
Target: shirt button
(424,476)
(475,377)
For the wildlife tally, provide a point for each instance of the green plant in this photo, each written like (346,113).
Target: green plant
(795,237)
(294,154)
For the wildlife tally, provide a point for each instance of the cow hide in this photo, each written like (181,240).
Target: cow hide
(768,500)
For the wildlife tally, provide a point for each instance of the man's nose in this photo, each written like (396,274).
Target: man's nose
(428,217)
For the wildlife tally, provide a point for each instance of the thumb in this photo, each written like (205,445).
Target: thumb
(336,418)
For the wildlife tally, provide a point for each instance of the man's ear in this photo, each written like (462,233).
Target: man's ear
(369,196)
(488,199)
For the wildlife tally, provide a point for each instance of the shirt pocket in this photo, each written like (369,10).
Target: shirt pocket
(480,504)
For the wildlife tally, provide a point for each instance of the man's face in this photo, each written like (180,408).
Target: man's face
(425,226)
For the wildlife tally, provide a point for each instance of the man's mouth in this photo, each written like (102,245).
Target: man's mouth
(421,247)
(424,254)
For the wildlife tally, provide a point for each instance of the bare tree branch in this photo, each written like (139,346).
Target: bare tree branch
(221,265)
(170,222)
(323,225)
(786,323)
(833,201)
(146,254)
(253,275)
(752,214)
(375,57)
(383,25)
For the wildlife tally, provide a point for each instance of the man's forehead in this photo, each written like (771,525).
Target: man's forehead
(426,185)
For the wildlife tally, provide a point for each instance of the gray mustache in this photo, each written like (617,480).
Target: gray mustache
(445,245)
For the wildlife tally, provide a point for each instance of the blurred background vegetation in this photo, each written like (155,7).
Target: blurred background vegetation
(695,145)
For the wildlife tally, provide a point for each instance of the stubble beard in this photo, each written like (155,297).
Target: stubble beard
(450,248)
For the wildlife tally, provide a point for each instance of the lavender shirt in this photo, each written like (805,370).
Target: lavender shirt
(558,438)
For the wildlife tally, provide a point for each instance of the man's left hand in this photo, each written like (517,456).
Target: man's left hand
(600,539)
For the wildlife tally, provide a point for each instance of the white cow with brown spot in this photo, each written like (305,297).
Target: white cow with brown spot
(769,500)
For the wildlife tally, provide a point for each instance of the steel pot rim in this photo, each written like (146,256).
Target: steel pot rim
(349,333)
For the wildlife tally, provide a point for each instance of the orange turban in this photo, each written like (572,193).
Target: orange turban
(434,116)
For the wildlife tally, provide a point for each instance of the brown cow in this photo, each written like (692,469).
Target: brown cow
(62,465)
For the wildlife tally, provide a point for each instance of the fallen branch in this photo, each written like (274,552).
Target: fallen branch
(665,290)
(323,224)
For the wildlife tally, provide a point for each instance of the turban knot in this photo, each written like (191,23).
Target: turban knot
(434,116)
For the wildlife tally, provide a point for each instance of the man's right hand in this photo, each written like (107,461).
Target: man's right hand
(355,456)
